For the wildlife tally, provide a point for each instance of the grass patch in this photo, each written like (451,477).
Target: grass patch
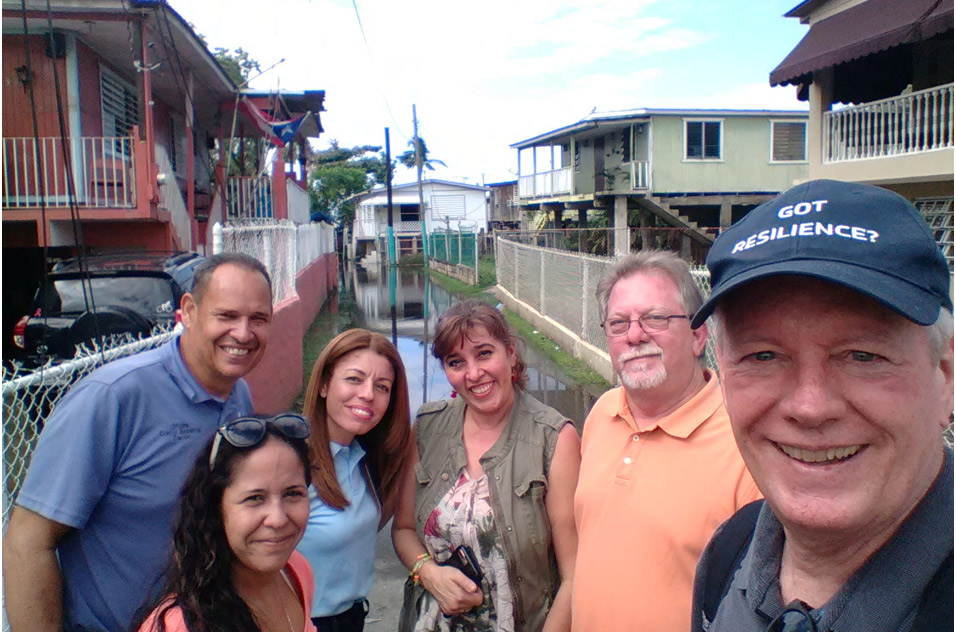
(487,274)
(412,260)
(575,369)
(462,289)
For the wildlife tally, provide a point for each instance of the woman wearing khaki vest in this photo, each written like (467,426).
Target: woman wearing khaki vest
(491,494)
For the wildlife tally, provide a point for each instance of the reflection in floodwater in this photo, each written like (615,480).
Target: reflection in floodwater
(404,305)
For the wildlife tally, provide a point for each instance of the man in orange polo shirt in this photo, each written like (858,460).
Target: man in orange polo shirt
(660,470)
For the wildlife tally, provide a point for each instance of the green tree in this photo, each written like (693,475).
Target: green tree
(337,173)
(238,64)
(407,159)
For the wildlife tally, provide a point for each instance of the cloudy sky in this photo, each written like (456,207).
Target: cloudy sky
(487,74)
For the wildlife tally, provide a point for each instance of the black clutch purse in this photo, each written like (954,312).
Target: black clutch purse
(463,558)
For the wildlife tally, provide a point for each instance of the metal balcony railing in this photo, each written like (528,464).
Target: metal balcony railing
(546,184)
(37,174)
(249,197)
(906,124)
(640,174)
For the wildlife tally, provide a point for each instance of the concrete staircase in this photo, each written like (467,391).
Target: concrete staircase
(671,217)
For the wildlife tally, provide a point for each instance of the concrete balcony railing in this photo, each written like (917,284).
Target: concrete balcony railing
(90,171)
(299,204)
(546,184)
(906,124)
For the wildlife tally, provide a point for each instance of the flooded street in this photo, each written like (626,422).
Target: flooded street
(404,304)
(417,303)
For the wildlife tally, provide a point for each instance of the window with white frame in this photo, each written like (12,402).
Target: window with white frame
(120,107)
(788,141)
(702,139)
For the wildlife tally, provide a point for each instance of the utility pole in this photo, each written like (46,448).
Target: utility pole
(421,194)
(390,233)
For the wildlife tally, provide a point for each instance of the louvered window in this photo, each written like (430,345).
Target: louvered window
(120,105)
(452,206)
(789,141)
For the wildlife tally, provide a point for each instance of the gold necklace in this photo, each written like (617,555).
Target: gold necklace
(284,606)
(278,590)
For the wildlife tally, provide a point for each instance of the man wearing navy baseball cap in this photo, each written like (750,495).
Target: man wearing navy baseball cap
(834,330)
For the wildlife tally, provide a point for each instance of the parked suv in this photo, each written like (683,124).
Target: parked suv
(117,294)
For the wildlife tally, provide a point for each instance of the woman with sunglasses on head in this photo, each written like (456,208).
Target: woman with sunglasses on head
(357,403)
(486,522)
(244,507)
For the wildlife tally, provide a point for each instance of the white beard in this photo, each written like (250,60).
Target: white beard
(640,381)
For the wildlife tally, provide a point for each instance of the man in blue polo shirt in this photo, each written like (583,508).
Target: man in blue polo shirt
(834,331)
(93,523)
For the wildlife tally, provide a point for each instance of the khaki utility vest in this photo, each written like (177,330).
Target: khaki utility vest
(517,469)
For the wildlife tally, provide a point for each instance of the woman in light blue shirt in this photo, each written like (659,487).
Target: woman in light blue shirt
(357,403)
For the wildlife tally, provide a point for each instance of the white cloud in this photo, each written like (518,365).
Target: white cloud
(483,76)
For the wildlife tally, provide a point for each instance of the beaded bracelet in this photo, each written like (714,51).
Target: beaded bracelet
(419,562)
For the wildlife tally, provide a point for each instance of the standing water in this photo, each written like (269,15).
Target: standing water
(404,304)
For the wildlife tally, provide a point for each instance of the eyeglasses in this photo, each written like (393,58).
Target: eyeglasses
(796,618)
(649,323)
(245,432)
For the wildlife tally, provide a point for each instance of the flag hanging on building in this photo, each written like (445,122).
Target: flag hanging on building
(278,132)
(285,130)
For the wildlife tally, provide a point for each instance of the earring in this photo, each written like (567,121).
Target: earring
(514,375)
(454,394)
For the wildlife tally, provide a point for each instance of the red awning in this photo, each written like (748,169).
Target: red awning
(862,30)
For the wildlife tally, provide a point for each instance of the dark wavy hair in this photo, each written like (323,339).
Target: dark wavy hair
(386,445)
(461,318)
(198,576)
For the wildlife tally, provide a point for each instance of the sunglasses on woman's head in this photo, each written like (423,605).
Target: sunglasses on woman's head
(245,432)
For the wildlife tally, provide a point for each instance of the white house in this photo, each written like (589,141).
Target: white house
(448,205)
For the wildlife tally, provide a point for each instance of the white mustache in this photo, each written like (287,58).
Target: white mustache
(641,351)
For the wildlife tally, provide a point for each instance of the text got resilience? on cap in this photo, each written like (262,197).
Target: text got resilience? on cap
(868,239)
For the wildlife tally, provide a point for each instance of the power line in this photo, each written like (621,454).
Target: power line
(368,50)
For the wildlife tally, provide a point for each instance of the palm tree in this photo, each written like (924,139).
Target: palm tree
(408,158)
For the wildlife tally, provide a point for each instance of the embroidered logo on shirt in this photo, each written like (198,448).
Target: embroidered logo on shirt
(179,432)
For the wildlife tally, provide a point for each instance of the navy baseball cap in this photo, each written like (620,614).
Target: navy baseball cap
(868,239)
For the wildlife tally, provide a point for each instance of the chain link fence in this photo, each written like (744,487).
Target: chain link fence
(599,242)
(29,396)
(561,285)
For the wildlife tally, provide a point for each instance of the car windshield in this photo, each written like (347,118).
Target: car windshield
(151,297)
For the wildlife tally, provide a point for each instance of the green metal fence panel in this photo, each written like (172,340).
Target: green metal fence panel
(454,247)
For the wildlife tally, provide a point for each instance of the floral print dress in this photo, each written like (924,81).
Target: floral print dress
(465,516)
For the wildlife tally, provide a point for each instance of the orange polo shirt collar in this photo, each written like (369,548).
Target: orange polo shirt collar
(682,421)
